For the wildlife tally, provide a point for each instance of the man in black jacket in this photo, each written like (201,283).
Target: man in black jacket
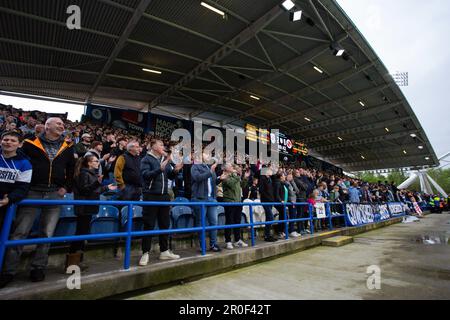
(302,186)
(127,172)
(156,169)
(301,181)
(53,160)
(266,192)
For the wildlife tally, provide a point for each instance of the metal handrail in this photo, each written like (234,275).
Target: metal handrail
(129,234)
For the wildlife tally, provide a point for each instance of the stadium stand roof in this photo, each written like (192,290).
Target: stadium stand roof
(252,65)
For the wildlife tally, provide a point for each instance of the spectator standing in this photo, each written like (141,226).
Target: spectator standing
(105,161)
(82,147)
(87,186)
(15,170)
(335,194)
(204,190)
(280,195)
(395,191)
(156,170)
(266,191)
(28,128)
(231,183)
(252,191)
(293,213)
(120,149)
(109,144)
(127,173)
(354,193)
(39,129)
(366,196)
(55,160)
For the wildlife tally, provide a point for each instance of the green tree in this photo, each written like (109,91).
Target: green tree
(442,177)
(371,177)
(397,176)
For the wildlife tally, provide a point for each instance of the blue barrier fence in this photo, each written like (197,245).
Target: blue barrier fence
(128,234)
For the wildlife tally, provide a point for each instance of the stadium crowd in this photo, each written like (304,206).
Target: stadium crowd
(46,156)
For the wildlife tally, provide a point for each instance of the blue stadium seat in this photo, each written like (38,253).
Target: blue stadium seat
(107,211)
(68,196)
(66,226)
(182,217)
(106,221)
(137,218)
(67,212)
(67,223)
(181,199)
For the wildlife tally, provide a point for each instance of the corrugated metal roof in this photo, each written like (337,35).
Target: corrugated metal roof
(272,59)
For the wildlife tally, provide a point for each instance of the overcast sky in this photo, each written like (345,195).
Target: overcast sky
(412,36)
(408,35)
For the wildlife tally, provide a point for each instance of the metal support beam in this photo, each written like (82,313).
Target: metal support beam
(296,62)
(329,82)
(41,46)
(340,133)
(437,186)
(385,163)
(348,117)
(265,52)
(282,70)
(99,57)
(140,43)
(220,54)
(375,151)
(408,182)
(424,184)
(297,36)
(285,68)
(344,100)
(293,97)
(69,86)
(320,19)
(364,141)
(120,44)
(50,21)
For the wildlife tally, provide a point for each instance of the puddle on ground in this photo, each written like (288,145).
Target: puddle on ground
(435,239)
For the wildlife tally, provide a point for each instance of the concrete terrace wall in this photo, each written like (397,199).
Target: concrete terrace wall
(117,282)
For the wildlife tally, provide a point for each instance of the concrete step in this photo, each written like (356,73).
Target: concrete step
(106,277)
(338,241)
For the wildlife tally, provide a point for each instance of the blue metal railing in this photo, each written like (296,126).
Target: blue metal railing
(128,234)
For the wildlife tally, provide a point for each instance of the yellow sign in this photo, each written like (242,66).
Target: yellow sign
(300,148)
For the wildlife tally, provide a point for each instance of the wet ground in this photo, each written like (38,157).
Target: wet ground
(413,261)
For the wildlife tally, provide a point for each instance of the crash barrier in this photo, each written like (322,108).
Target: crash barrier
(353,214)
